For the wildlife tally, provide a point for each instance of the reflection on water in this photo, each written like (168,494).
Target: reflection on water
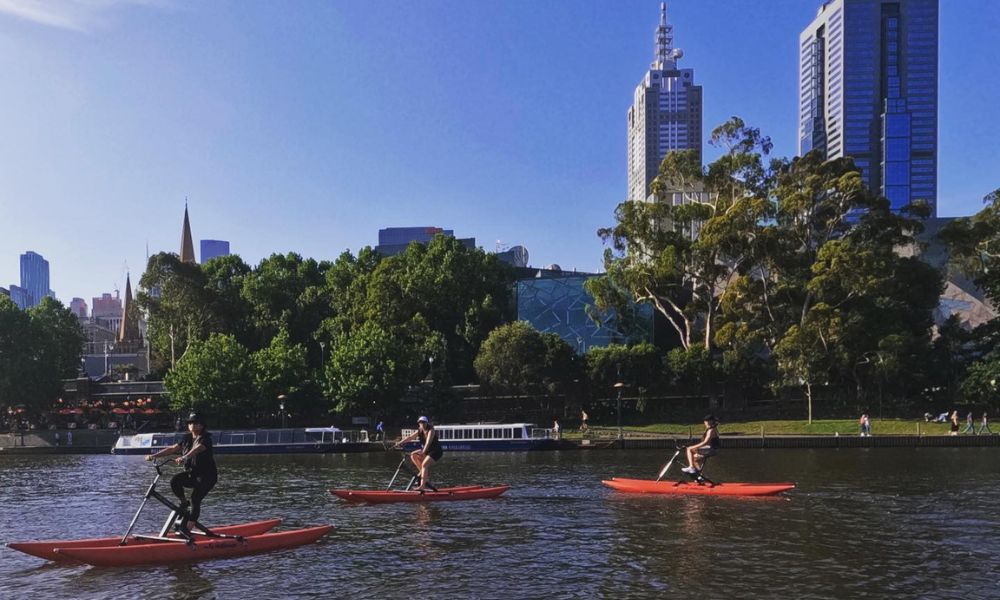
(886,522)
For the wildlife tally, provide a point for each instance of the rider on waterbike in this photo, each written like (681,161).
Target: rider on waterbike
(708,446)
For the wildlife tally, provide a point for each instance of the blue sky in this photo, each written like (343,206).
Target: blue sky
(307,126)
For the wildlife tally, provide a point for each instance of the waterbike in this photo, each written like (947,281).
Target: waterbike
(408,494)
(697,484)
(181,538)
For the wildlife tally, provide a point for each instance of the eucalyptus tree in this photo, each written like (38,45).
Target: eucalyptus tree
(679,250)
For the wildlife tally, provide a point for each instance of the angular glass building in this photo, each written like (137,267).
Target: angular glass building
(868,79)
(559,304)
(212,249)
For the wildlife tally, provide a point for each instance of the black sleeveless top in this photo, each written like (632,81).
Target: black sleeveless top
(435,443)
(203,463)
(713,442)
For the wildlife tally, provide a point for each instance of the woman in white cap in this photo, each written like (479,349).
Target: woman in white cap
(429,453)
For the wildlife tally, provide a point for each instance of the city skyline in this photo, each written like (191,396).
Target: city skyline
(308,145)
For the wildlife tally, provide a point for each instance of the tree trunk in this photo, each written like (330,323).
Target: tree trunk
(809,401)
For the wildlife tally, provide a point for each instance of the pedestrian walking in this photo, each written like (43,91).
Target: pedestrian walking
(865,424)
(583,420)
(984,424)
(954,422)
(970,426)
(555,429)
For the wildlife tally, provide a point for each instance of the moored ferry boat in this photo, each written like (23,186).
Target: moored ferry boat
(253,441)
(491,436)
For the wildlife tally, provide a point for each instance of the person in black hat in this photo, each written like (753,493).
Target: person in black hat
(708,446)
(200,473)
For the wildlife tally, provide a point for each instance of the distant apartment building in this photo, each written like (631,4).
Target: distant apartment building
(35,276)
(665,115)
(394,240)
(213,248)
(106,311)
(868,89)
(79,308)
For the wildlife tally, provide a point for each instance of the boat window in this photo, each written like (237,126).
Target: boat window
(508,433)
(225,438)
(445,434)
(497,433)
(518,433)
(477,434)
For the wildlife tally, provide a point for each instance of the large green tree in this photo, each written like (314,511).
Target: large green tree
(675,254)
(281,369)
(214,376)
(38,349)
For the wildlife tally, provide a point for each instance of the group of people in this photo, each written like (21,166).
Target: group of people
(955,423)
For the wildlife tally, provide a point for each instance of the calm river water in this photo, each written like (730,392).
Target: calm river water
(900,523)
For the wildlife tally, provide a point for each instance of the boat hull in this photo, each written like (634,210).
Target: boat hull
(648,486)
(158,553)
(262,449)
(491,445)
(442,495)
(46,548)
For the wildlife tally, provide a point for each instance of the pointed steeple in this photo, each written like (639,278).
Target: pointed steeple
(128,331)
(187,244)
(664,55)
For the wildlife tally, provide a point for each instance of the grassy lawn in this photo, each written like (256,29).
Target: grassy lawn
(825,427)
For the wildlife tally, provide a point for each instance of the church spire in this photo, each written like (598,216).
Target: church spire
(128,331)
(187,244)
(664,56)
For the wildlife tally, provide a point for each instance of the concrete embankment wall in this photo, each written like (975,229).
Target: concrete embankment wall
(84,441)
(806,441)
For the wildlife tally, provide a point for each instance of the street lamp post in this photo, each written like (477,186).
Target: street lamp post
(322,354)
(281,406)
(620,385)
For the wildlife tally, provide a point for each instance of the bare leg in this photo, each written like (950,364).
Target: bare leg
(425,473)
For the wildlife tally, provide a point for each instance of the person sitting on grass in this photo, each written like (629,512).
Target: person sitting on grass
(708,446)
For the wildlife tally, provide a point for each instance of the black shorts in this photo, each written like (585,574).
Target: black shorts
(436,455)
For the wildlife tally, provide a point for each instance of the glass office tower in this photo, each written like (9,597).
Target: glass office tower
(868,90)
(34,276)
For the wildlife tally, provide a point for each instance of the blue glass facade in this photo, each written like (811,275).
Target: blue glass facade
(34,276)
(868,75)
(212,249)
(562,306)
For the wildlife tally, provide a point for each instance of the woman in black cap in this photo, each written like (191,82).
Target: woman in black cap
(708,446)
(200,473)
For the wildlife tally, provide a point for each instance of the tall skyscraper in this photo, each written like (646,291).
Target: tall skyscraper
(35,276)
(213,248)
(665,113)
(868,79)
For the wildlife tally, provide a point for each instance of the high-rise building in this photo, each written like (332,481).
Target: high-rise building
(21,297)
(79,307)
(665,113)
(868,79)
(35,276)
(106,306)
(213,248)
(394,240)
